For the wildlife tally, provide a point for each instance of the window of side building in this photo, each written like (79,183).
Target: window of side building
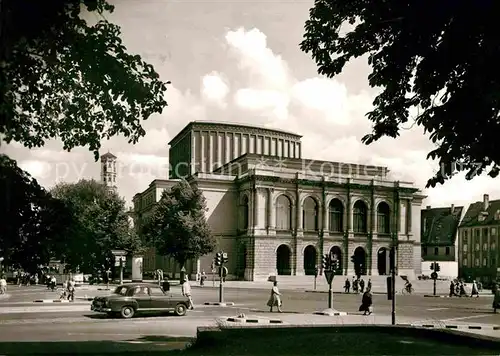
(464,262)
(436,251)
(424,251)
(447,251)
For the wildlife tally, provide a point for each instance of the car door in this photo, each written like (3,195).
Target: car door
(160,300)
(142,297)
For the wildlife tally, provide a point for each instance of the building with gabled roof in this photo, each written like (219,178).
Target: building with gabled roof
(478,252)
(439,227)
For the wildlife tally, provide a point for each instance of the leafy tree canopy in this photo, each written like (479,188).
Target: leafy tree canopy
(177,226)
(63,78)
(439,57)
(101,225)
(33,221)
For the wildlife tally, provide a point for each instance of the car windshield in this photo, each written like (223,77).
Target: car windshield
(122,290)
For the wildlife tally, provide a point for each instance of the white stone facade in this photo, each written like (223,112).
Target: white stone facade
(278,215)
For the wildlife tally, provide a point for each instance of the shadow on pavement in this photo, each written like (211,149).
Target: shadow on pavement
(150,345)
(137,316)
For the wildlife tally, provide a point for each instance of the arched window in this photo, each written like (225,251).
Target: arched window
(336,216)
(360,217)
(283,213)
(383,218)
(244,209)
(310,215)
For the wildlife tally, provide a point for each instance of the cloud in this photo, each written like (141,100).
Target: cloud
(214,88)
(249,82)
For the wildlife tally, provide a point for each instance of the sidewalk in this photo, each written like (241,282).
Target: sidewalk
(292,319)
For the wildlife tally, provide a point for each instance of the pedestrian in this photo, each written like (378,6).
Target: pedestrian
(3,285)
(367,302)
(463,293)
(452,289)
(186,291)
(53,282)
(355,286)
(203,277)
(496,298)
(71,290)
(362,285)
(166,285)
(369,285)
(475,291)
(347,285)
(275,298)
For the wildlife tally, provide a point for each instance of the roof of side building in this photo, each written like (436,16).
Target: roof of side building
(231,124)
(439,225)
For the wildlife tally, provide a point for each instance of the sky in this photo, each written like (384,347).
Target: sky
(240,61)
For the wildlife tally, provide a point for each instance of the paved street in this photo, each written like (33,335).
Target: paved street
(21,319)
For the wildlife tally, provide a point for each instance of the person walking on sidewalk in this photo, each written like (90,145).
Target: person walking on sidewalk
(186,291)
(3,285)
(475,291)
(496,297)
(347,285)
(367,302)
(452,289)
(275,298)
(369,285)
(362,285)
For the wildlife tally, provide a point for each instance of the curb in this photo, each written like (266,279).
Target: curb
(468,327)
(51,301)
(435,296)
(89,299)
(220,304)
(337,313)
(325,292)
(255,321)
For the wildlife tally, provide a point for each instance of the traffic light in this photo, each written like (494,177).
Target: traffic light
(224,257)
(336,264)
(353,259)
(437,267)
(432,266)
(218,259)
(392,258)
(325,262)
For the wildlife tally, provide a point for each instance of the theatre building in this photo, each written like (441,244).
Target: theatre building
(276,213)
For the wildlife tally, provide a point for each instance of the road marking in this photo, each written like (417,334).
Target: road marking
(434,309)
(467,317)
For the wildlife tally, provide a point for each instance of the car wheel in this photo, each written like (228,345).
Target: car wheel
(180,310)
(127,312)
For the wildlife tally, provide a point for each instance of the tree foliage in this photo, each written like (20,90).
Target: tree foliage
(177,226)
(63,78)
(440,58)
(33,221)
(101,225)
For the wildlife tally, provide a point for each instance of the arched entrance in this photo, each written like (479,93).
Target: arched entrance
(283,260)
(310,258)
(336,251)
(359,260)
(383,261)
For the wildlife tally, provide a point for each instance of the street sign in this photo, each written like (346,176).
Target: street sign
(434,275)
(329,276)
(119,252)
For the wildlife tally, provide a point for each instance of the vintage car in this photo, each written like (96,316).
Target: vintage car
(131,298)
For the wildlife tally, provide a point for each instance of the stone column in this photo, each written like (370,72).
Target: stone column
(298,214)
(137,264)
(255,209)
(271,211)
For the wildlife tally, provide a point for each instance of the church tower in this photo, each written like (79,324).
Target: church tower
(108,170)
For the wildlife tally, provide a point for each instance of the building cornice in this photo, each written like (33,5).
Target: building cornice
(327,184)
(233,128)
